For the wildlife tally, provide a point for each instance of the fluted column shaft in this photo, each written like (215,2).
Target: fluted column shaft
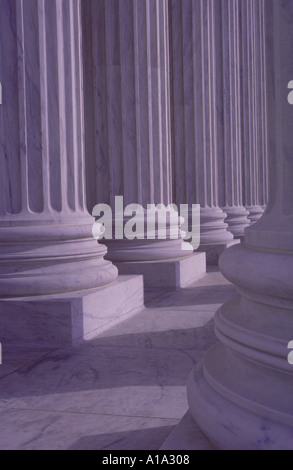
(127,109)
(264,155)
(42,120)
(127,101)
(45,229)
(254,136)
(196,112)
(275,230)
(241,395)
(230,126)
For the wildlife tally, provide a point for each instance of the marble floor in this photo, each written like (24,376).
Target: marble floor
(124,390)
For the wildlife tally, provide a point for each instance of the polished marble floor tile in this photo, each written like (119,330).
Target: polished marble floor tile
(126,381)
(41,430)
(124,390)
(16,355)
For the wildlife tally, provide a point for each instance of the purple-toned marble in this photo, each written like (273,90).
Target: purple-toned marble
(196,113)
(128,120)
(46,245)
(253,109)
(154,100)
(230,138)
(241,395)
(127,101)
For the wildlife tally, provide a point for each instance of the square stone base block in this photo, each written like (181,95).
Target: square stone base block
(213,252)
(187,436)
(73,317)
(170,274)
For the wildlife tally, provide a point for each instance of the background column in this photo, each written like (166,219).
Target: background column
(128,132)
(230,145)
(264,155)
(194,52)
(253,106)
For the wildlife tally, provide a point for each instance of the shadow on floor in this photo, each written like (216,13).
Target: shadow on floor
(136,370)
(157,347)
(140,439)
(145,359)
(206,295)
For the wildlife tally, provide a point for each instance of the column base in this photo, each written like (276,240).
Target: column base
(55,257)
(213,252)
(213,229)
(237,219)
(172,274)
(239,405)
(73,317)
(255,213)
(241,393)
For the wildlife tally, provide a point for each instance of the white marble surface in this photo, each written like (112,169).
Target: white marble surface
(73,317)
(124,390)
(46,430)
(123,381)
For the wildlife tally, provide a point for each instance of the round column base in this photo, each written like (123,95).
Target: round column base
(255,213)
(52,259)
(237,220)
(213,229)
(146,250)
(241,395)
(237,406)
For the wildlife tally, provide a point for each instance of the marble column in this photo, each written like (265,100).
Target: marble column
(263,157)
(253,106)
(45,236)
(230,144)
(241,395)
(128,131)
(196,111)
(46,242)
